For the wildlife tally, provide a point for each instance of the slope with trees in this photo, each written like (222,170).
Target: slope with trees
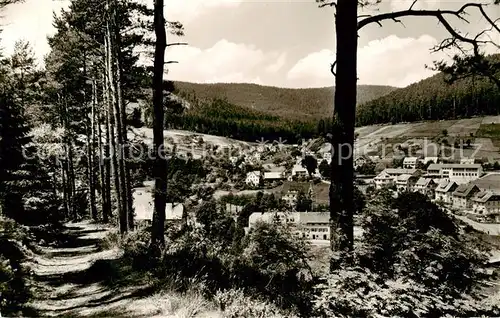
(435,98)
(303,103)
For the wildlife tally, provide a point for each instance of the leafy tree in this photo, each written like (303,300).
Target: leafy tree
(324,169)
(359,201)
(310,163)
(304,203)
(397,162)
(367,168)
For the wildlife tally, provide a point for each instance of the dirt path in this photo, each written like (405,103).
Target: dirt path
(71,281)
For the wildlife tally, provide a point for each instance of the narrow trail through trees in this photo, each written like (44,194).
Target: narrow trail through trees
(73,280)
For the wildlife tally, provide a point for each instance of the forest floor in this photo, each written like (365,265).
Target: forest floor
(78,278)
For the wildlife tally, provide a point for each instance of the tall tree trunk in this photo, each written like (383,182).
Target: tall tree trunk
(114,154)
(159,167)
(106,160)
(93,207)
(102,173)
(71,186)
(65,191)
(123,120)
(342,187)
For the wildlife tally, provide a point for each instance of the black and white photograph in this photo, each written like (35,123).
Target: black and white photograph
(249,158)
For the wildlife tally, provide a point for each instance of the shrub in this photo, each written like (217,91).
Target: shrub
(235,304)
(13,290)
(358,292)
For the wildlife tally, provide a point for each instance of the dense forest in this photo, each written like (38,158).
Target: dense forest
(220,117)
(303,103)
(434,99)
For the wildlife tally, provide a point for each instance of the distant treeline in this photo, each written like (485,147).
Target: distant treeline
(433,99)
(219,117)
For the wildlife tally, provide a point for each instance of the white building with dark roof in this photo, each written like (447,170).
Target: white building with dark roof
(444,191)
(253,178)
(488,204)
(274,175)
(425,186)
(462,196)
(460,173)
(405,182)
(410,162)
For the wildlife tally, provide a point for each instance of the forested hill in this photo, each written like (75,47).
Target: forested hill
(304,103)
(433,99)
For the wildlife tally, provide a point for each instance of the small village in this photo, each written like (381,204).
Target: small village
(297,176)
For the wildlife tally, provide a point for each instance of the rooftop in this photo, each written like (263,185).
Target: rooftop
(464,190)
(485,196)
(273,175)
(446,186)
(424,182)
(400,171)
(439,166)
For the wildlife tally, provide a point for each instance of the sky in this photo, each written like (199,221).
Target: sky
(285,43)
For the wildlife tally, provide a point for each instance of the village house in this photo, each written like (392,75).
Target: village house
(274,176)
(425,186)
(389,176)
(394,172)
(253,178)
(144,216)
(405,182)
(488,204)
(444,191)
(410,162)
(463,194)
(460,173)
(313,226)
(299,171)
(290,191)
(383,180)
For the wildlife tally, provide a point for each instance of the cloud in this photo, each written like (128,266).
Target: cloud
(280,62)
(223,62)
(31,21)
(391,61)
(398,5)
(188,10)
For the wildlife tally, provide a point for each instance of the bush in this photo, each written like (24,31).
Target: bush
(13,290)
(358,292)
(413,238)
(412,261)
(235,304)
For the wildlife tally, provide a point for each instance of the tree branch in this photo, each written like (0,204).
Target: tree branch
(332,68)
(324,3)
(176,44)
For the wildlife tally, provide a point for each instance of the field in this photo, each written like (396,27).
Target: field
(485,140)
(375,139)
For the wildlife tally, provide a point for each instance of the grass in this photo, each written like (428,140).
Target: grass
(430,129)
(491,131)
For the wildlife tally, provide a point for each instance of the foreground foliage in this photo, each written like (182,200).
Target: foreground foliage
(412,261)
